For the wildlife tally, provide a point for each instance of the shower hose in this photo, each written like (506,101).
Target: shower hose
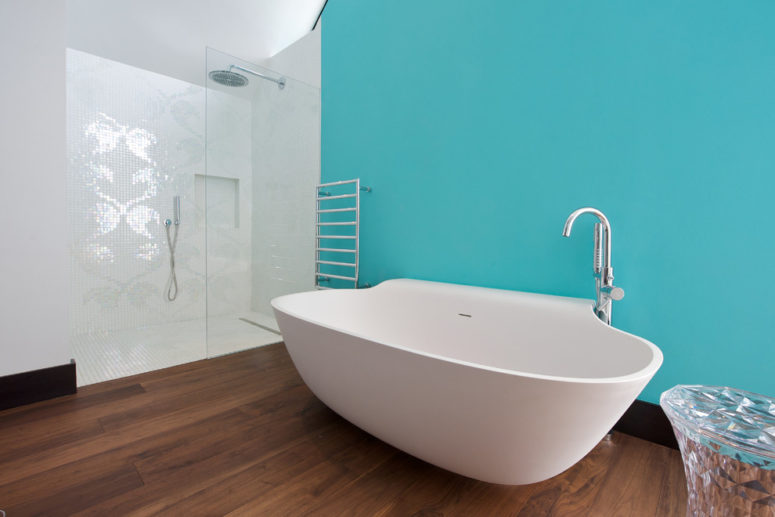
(172,242)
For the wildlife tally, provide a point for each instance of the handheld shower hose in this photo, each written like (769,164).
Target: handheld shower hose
(172,242)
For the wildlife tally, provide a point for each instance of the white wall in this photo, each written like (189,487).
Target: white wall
(169,36)
(300,60)
(33,231)
(34,256)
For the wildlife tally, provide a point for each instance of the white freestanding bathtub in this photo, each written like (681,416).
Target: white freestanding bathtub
(501,386)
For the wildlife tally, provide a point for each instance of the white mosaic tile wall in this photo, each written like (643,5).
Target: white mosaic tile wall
(135,140)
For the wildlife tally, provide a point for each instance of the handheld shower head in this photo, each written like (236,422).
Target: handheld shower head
(176,209)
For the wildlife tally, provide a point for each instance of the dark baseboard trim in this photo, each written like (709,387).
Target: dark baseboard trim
(648,421)
(28,387)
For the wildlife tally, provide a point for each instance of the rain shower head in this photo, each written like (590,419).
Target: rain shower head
(231,78)
(228,78)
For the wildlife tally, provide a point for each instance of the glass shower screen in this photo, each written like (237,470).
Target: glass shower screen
(263,162)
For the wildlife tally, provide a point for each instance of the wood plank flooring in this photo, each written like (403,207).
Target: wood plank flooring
(242,435)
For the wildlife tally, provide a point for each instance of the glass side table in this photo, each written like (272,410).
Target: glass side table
(727,441)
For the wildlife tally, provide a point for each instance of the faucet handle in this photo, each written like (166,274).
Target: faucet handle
(613,292)
(616,293)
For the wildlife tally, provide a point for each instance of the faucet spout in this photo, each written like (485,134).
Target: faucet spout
(606,244)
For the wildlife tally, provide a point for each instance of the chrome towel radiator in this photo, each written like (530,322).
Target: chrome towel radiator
(337,227)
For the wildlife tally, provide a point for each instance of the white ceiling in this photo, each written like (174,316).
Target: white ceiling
(169,36)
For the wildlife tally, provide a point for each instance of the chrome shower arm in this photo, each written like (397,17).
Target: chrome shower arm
(280,82)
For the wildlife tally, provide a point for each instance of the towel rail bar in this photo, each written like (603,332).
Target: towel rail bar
(348,211)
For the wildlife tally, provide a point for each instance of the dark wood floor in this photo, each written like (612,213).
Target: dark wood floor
(242,435)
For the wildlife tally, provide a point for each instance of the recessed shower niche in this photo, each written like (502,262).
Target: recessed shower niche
(221,196)
(204,186)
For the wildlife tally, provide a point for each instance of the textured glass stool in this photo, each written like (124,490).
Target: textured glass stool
(727,440)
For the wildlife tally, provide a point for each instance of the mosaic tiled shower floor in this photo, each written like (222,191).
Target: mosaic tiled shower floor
(102,356)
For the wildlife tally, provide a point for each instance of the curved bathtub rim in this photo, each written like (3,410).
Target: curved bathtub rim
(644,373)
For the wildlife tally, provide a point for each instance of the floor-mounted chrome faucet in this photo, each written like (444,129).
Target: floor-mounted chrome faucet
(606,292)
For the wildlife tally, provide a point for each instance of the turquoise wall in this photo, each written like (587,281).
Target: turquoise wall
(482,125)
